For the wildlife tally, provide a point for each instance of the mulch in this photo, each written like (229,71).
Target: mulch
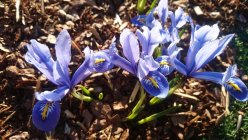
(94,23)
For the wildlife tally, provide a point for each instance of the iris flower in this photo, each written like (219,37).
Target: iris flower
(139,63)
(158,17)
(204,46)
(46,111)
(228,79)
(165,60)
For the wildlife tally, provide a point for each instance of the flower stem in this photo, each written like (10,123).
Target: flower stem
(81,97)
(157,115)
(141,5)
(138,107)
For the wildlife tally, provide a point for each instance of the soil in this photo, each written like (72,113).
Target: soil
(94,23)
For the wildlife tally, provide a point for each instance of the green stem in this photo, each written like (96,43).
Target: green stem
(141,5)
(152,6)
(81,97)
(138,107)
(85,90)
(157,115)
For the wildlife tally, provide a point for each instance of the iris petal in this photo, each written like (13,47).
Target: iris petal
(180,18)
(130,46)
(165,67)
(63,52)
(120,61)
(101,62)
(231,71)
(45,115)
(139,20)
(83,71)
(210,50)
(199,36)
(40,56)
(59,76)
(55,95)
(237,89)
(156,84)
(215,77)
(143,39)
(163,10)
(145,66)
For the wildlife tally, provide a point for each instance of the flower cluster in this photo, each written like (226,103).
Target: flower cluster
(46,111)
(154,32)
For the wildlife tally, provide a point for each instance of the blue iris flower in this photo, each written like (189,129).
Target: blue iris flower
(46,111)
(158,17)
(228,79)
(142,63)
(204,46)
(165,60)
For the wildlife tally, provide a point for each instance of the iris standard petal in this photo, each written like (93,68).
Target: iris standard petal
(163,11)
(130,46)
(63,50)
(215,77)
(199,37)
(171,48)
(101,62)
(45,115)
(59,76)
(165,67)
(207,33)
(174,35)
(143,38)
(155,84)
(237,89)
(179,66)
(55,95)
(120,61)
(231,71)
(145,66)
(40,56)
(84,70)
(180,18)
(210,50)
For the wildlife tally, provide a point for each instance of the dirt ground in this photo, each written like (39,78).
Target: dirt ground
(93,23)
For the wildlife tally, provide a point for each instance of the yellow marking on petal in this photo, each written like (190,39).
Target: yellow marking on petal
(235,86)
(99,60)
(45,111)
(153,81)
(162,63)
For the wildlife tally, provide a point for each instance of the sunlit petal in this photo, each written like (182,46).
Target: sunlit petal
(45,115)
(55,95)
(179,66)
(101,62)
(156,84)
(63,50)
(180,18)
(117,60)
(130,46)
(59,76)
(143,39)
(165,67)
(145,66)
(40,56)
(84,70)
(210,50)
(215,77)
(162,9)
